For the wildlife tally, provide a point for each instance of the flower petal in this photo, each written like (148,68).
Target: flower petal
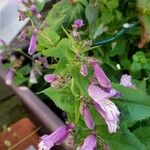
(100,75)
(110,114)
(84,70)
(9,76)
(87,116)
(56,136)
(32,77)
(126,81)
(32,46)
(89,143)
(78,23)
(50,78)
(97,94)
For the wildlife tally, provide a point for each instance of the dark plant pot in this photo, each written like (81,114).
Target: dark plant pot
(40,114)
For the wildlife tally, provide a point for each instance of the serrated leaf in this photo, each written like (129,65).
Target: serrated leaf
(143,134)
(124,140)
(133,95)
(131,103)
(130,112)
(63,98)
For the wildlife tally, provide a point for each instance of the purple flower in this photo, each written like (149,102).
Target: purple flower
(22,16)
(23,34)
(32,77)
(105,107)
(33,8)
(89,143)
(87,116)
(126,81)
(9,76)
(43,60)
(78,23)
(35,11)
(57,137)
(84,70)
(101,76)
(50,78)
(32,46)
(114,93)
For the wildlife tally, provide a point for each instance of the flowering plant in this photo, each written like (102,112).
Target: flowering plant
(104,108)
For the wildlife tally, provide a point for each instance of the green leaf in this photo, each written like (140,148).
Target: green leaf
(63,13)
(143,134)
(99,31)
(61,66)
(91,13)
(84,2)
(131,102)
(40,5)
(124,140)
(80,81)
(63,98)
(133,95)
(48,38)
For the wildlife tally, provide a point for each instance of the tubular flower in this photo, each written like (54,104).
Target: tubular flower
(9,76)
(32,46)
(78,23)
(105,107)
(35,11)
(50,78)
(57,137)
(22,35)
(32,77)
(101,76)
(84,70)
(126,81)
(87,116)
(89,143)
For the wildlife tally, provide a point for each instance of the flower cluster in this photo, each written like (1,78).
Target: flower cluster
(100,91)
(31,10)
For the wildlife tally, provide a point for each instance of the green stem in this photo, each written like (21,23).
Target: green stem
(49,40)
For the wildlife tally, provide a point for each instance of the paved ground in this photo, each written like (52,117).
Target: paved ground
(11,109)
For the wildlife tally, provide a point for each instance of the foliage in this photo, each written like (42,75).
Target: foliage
(67,52)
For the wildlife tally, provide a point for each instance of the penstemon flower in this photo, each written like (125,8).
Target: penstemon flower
(87,116)
(89,143)
(126,81)
(57,137)
(78,23)
(9,76)
(84,70)
(101,76)
(32,46)
(50,78)
(105,107)
(32,78)
(35,11)
(23,34)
